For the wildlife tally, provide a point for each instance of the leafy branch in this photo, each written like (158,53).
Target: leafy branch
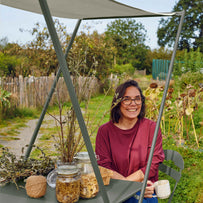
(13,169)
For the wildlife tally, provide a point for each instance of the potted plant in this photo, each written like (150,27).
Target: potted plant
(69,141)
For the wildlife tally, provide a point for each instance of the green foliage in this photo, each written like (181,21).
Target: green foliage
(21,113)
(188,61)
(184,62)
(190,185)
(7,65)
(9,110)
(92,54)
(14,120)
(161,53)
(4,102)
(123,69)
(89,52)
(22,64)
(4,98)
(191,35)
(128,37)
(190,78)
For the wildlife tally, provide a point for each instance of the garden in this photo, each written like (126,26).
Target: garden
(181,126)
(110,59)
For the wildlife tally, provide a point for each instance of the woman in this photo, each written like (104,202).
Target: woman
(123,144)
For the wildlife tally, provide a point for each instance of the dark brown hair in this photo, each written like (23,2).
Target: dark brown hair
(116,102)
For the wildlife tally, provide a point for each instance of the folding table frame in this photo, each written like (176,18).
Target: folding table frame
(107,194)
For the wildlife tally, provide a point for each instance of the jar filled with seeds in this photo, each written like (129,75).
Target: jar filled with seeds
(88,182)
(68,183)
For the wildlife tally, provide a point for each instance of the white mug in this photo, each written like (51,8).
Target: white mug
(162,189)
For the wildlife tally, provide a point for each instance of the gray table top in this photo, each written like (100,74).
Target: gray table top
(117,190)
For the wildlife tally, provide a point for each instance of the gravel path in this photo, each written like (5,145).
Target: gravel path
(24,137)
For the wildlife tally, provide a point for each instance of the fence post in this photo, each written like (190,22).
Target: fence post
(21,87)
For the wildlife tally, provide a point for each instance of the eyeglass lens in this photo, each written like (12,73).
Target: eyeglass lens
(128,100)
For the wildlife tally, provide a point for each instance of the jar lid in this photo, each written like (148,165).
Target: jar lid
(67,169)
(84,156)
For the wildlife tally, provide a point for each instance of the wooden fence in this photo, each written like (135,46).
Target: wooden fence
(33,91)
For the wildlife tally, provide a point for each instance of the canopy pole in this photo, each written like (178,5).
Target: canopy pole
(73,97)
(161,108)
(34,136)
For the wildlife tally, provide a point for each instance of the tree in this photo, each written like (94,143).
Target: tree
(7,65)
(128,37)
(161,53)
(13,61)
(37,57)
(41,51)
(192,30)
(3,42)
(91,53)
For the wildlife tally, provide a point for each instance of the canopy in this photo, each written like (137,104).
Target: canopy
(83,9)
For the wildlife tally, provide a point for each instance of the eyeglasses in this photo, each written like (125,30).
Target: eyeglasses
(128,100)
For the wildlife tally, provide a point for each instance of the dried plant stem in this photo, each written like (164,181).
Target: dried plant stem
(164,124)
(169,126)
(13,169)
(77,142)
(181,134)
(186,127)
(176,125)
(194,131)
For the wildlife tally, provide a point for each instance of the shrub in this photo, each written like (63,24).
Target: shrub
(7,65)
(188,61)
(123,69)
(190,78)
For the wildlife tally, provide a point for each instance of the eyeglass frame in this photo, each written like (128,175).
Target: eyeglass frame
(131,100)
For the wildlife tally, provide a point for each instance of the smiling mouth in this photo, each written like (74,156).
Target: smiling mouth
(132,110)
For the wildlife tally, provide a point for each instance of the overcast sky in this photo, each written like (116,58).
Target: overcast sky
(12,20)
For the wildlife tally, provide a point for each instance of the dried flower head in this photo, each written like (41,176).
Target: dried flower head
(170,90)
(191,92)
(183,95)
(153,85)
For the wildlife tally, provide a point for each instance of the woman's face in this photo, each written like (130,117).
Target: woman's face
(131,103)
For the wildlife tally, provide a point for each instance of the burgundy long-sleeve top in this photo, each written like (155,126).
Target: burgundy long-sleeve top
(126,151)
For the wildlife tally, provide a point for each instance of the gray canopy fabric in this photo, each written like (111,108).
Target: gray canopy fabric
(83,9)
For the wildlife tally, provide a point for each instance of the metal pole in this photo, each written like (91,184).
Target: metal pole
(34,136)
(161,108)
(76,106)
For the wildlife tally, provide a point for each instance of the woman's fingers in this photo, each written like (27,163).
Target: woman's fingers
(149,183)
(149,191)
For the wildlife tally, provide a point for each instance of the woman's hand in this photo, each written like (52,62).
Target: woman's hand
(149,190)
(117,175)
(137,176)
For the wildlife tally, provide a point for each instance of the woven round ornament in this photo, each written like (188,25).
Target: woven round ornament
(36,186)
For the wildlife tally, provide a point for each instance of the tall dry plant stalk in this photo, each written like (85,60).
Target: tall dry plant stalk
(69,140)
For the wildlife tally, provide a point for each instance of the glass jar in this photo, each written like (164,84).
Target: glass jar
(51,178)
(88,182)
(68,183)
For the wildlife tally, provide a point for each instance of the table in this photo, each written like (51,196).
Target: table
(117,190)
